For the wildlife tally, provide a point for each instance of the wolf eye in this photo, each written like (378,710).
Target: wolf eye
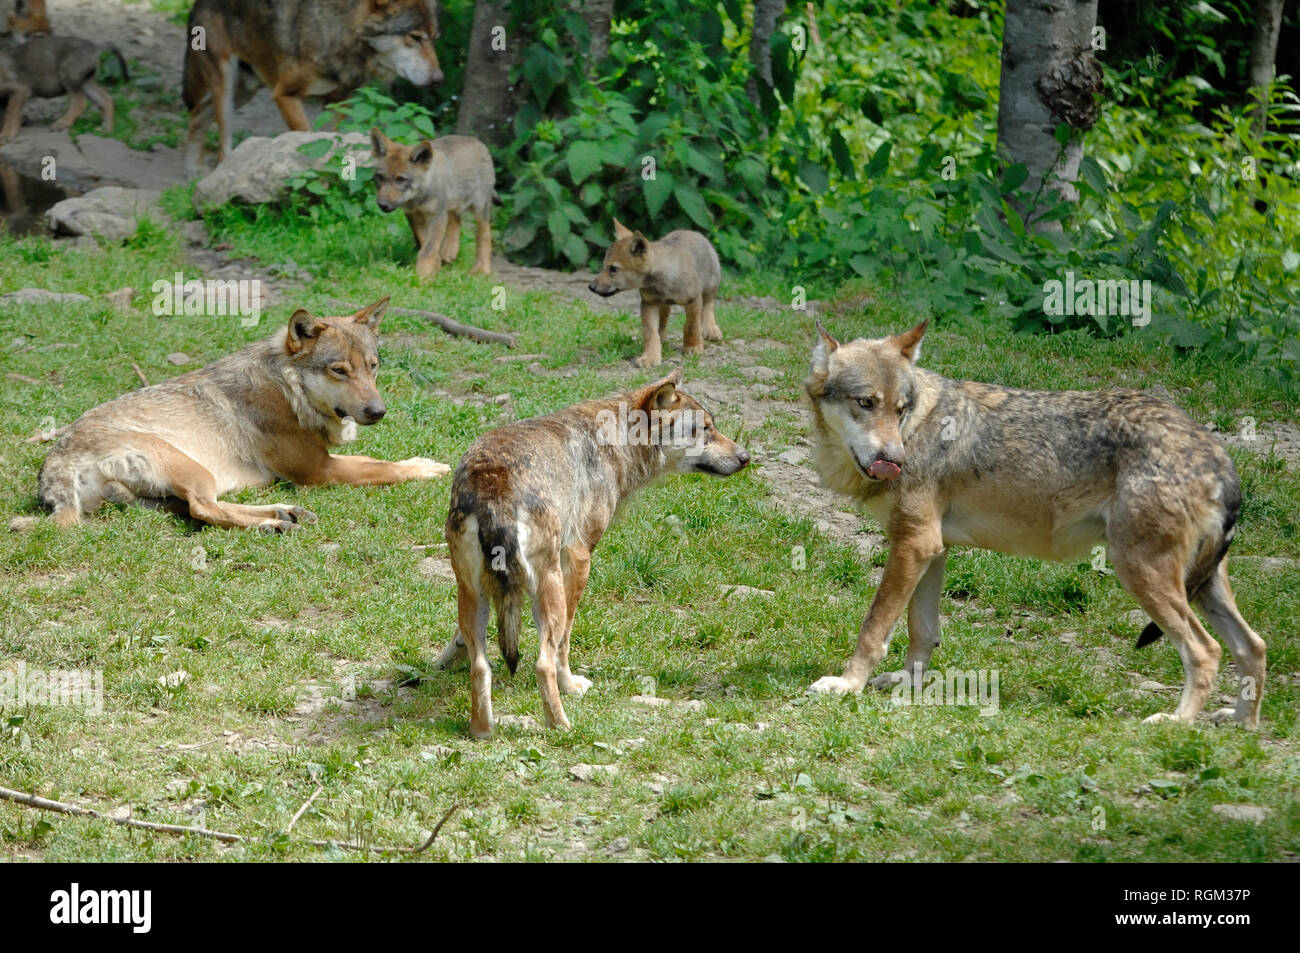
(340,369)
(403,180)
(865,403)
(416,38)
(613,269)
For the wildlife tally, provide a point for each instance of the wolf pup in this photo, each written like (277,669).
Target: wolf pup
(681,268)
(50,66)
(298,48)
(28,19)
(529,502)
(436,182)
(269,412)
(1047,474)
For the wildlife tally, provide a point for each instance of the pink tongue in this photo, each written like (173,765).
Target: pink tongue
(884,470)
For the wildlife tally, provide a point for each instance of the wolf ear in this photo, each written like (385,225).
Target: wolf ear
(422,154)
(822,351)
(370,316)
(638,246)
(378,142)
(909,342)
(621,231)
(660,394)
(303,327)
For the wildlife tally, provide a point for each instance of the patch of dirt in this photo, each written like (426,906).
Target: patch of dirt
(1280,438)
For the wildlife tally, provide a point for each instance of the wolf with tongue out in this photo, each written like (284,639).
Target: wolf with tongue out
(1047,474)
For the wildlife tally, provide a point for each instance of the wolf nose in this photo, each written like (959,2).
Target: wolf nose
(385,206)
(435,76)
(742,455)
(375,412)
(592,287)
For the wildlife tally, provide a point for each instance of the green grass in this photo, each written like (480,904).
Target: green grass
(1064,770)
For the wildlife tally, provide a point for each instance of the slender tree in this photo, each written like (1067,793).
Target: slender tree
(766,13)
(1263,53)
(1049,77)
(488,100)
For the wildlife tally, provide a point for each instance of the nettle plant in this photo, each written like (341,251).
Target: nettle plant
(338,191)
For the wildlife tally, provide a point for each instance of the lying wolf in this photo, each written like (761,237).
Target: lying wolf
(269,412)
(1046,474)
(530,501)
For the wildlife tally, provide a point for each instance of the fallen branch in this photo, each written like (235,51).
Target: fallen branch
(45,436)
(59,807)
(444,322)
(140,374)
(303,810)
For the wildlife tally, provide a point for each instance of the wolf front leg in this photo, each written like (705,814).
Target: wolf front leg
(651,345)
(923,631)
(356,470)
(692,337)
(428,260)
(913,546)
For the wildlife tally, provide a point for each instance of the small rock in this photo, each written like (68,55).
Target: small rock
(794,456)
(41,296)
(655,702)
(586,772)
(173,679)
(618,845)
(524,722)
(179,358)
(1149,686)
(1136,617)
(121,298)
(256,170)
(1243,812)
(746,591)
(110,212)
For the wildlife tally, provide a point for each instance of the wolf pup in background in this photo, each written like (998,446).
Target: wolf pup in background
(1047,474)
(50,66)
(530,501)
(681,268)
(436,182)
(298,48)
(269,412)
(28,19)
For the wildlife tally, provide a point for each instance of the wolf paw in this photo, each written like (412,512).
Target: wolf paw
(426,469)
(890,679)
(1158,717)
(713,334)
(833,685)
(1226,716)
(273,527)
(295,514)
(646,360)
(693,348)
(576,685)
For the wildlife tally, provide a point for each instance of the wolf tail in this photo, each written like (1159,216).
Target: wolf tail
(121,62)
(500,544)
(1211,551)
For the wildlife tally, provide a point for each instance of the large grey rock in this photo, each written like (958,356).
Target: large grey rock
(255,172)
(91,161)
(110,212)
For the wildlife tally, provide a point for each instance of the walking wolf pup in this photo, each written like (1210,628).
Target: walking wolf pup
(49,66)
(436,182)
(268,412)
(530,501)
(681,268)
(1047,474)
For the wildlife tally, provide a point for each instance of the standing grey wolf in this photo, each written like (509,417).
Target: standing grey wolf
(28,19)
(435,183)
(530,501)
(1047,474)
(681,268)
(298,48)
(49,66)
(268,412)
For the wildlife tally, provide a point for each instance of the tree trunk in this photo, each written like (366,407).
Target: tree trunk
(1049,77)
(488,101)
(597,14)
(1263,53)
(766,13)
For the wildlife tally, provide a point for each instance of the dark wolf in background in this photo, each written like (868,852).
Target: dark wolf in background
(530,501)
(298,48)
(50,66)
(1045,474)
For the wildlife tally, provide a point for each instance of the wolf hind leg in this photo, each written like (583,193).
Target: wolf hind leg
(1248,649)
(577,567)
(551,612)
(1154,577)
(711,330)
(450,250)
